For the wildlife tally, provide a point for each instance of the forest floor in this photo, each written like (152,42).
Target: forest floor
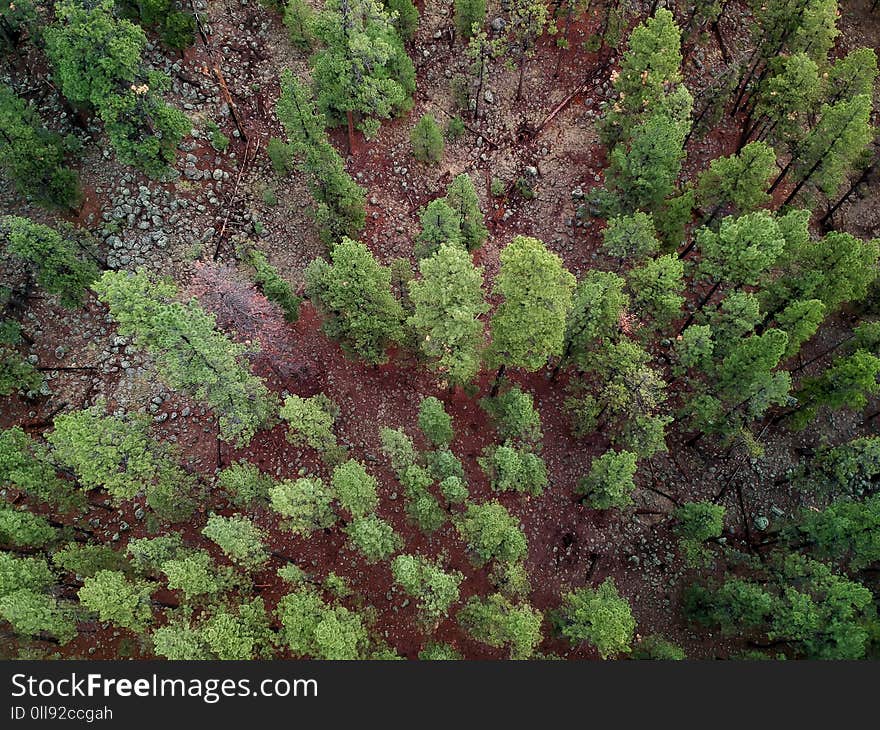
(219,199)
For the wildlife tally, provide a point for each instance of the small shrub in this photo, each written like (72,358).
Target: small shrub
(427,140)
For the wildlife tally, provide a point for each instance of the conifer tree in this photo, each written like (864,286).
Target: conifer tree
(461,196)
(33,157)
(448,302)
(339,201)
(440,225)
(529,325)
(190,354)
(467,14)
(427,140)
(362,74)
(353,293)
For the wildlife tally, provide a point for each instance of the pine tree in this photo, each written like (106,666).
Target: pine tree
(434,589)
(529,19)
(374,538)
(426,139)
(355,488)
(529,325)
(610,481)
(62,260)
(340,202)
(846,383)
(597,306)
(599,616)
(448,302)
(739,181)
(305,504)
(353,294)
(500,623)
(830,149)
(312,628)
(362,74)
(649,69)
(299,18)
(440,225)
(461,196)
(630,237)
(492,533)
(33,157)
(656,288)
(118,599)
(121,456)
(469,13)
(190,354)
(240,539)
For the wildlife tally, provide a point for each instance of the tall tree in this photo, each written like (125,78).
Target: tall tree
(353,293)
(448,302)
(529,325)
(190,354)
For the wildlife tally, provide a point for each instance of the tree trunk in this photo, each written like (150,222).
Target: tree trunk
(349,116)
(497,383)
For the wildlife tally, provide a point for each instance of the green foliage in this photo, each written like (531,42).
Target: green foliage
(448,301)
(118,599)
(245,484)
(630,237)
(121,456)
(271,283)
(742,249)
(362,68)
(461,196)
(467,14)
(239,538)
(310,421)
(60,259)
(515,417)
(610,481)
(87,560)
(426,139)
(33,157)
(280,155)
(433,588)
(529,325)
(21,528)
(299,18)
(795,600)
(739,180)
(455,128)
(34,614)
(196,575)
(405,17)
(835,269)
(492,533)
(97,60)
(440,225)
(306,504)
(599,616)
(219,141)
(696,523)
(511,470)
(149,554)
(650,67)
(312,628)
(339,201)
(355,488)
(847,382)
(848,470)
(190,353)
(353,293)
(800,320)
(26,465)
(846,530)
(627,401)
(498,622)
(373,537)
(434,651)
(597,306)
(657,648)
(656,288)
(435,422)
(454,490)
